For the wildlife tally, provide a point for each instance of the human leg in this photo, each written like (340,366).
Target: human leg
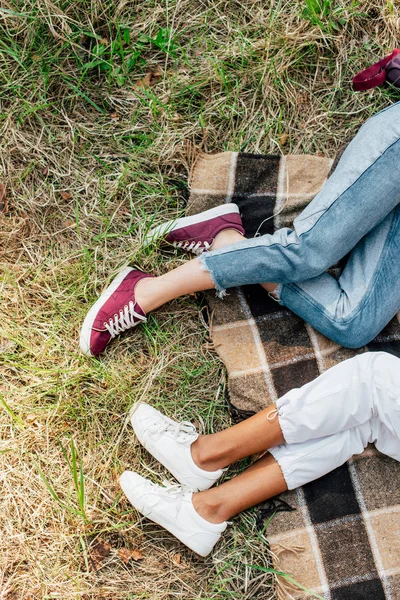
(348,395)
(358,400)
(198,519)
(355,308)
(193,458)
(285,467)
(361,192)
(259,482)
(327,421)
(358,196)
(351,310)
(125,302)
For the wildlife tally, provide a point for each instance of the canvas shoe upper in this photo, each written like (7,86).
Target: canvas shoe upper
(114,312)
(172,508)
(197,232)
(169,442)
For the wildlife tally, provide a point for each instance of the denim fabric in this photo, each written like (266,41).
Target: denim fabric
(356,211)
(365,394)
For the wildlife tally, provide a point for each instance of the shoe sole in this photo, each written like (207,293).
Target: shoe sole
(162,230)
(84,339)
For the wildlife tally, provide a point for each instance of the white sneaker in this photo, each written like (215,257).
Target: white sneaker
(172,508)
(169,442)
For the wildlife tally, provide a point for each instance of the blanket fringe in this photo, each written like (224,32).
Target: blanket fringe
(284,588)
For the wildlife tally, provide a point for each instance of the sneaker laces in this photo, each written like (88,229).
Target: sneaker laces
(181,432)
(125,319)
(195,247)
(175,491)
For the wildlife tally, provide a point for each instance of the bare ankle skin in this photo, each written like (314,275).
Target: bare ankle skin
(145,294)
(206,507)
(226,237)
(206,457)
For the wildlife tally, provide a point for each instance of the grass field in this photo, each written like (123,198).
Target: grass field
(103,108)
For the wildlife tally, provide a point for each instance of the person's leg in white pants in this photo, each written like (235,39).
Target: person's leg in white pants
(309,432)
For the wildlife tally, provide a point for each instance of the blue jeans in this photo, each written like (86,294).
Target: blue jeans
(357,211)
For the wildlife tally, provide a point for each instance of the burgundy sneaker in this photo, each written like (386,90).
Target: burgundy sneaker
(114,312)
(197,233)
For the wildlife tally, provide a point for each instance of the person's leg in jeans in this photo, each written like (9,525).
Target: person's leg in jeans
(355,308)
(363,191)
(358,208)
(351,310)
(310,431)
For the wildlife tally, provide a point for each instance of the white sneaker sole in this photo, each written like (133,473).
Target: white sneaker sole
(86,331)
(162,230)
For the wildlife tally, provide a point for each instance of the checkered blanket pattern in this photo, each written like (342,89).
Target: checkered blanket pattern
(343,539)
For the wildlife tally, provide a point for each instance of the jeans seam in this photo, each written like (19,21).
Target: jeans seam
(323,212)
(296,289)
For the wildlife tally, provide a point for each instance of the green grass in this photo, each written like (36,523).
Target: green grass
(92,159)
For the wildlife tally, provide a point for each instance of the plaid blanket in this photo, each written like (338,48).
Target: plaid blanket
(340,535)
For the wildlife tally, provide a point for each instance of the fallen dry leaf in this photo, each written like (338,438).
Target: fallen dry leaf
(177,558)
(127,554)
(149,79)
(97,554)
(284,138)
(3,198)
(30,418)
(65,195)
(137,555)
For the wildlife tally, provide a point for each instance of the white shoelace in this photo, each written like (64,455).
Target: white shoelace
(195,247)
(175,491)
(181,432)
(125,319)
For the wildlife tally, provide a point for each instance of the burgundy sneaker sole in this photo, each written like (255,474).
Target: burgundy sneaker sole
(86,331)
(165,228)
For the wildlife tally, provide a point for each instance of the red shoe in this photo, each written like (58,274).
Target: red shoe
(114,312)
(197,233)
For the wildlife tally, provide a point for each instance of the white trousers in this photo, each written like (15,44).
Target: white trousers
(330,419)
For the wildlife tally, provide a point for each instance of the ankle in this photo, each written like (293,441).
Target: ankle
(145,294)
(209,508)
(226,237)
(203,457)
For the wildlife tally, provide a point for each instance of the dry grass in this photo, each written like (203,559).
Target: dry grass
(90,159)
